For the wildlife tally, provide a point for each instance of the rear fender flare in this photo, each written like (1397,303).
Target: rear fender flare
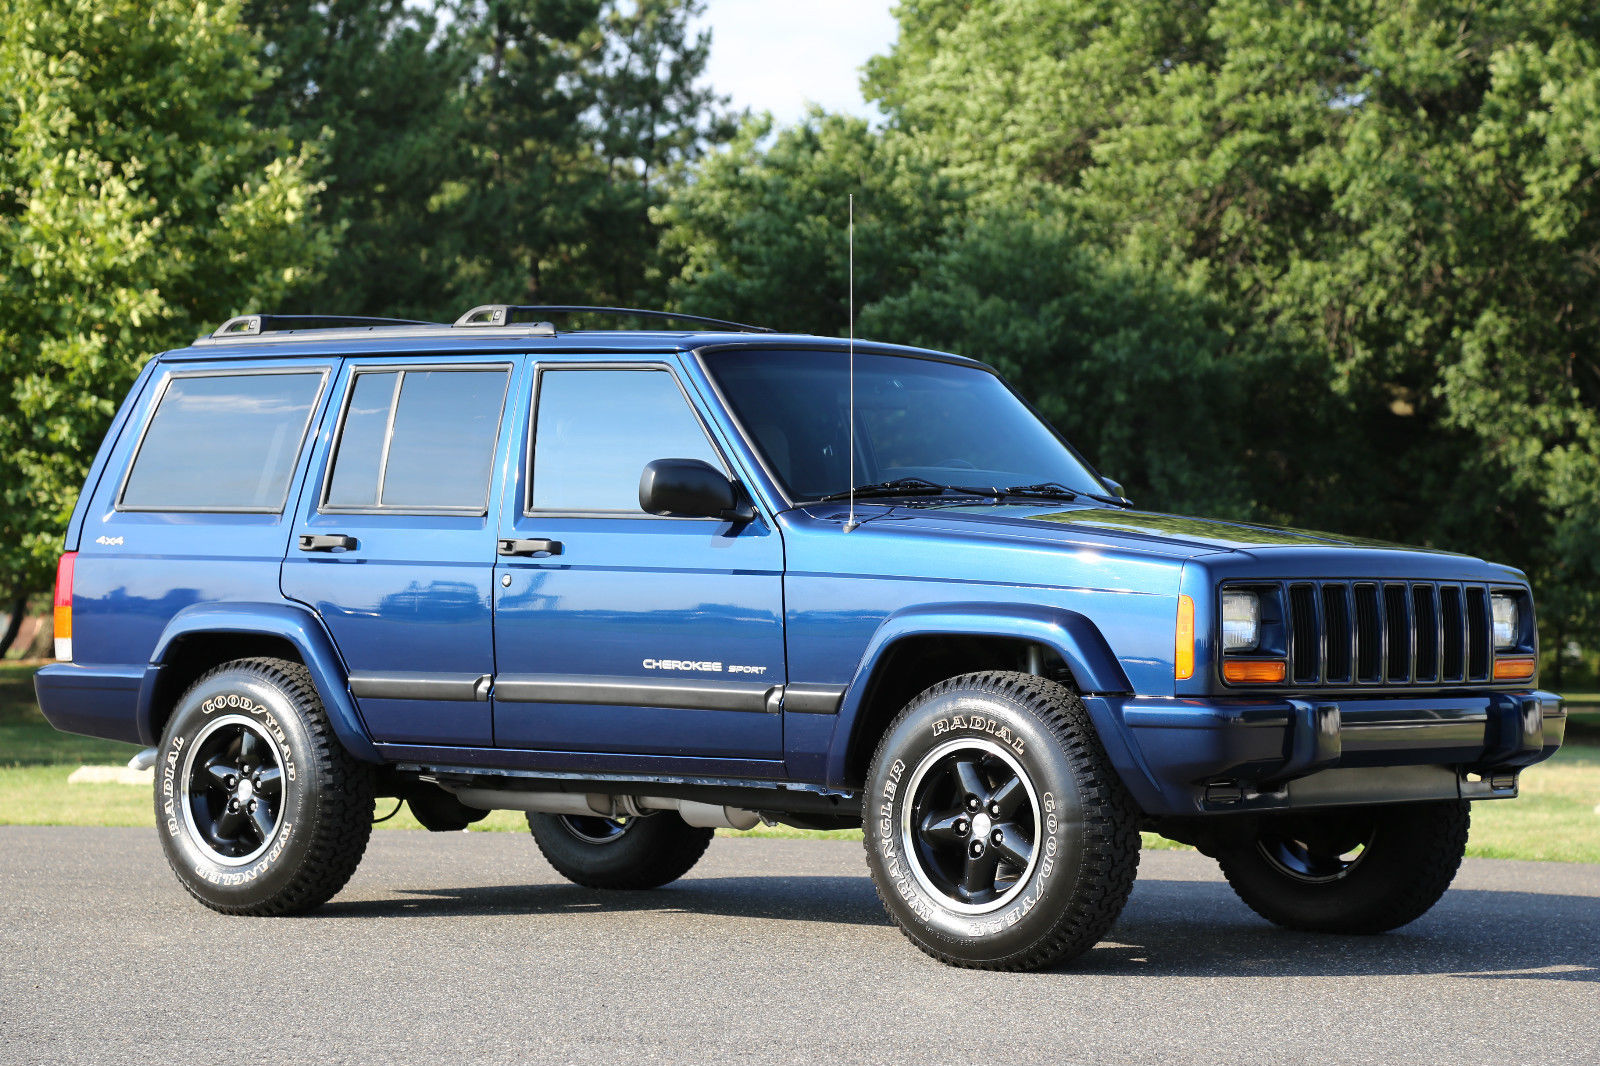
(299,627)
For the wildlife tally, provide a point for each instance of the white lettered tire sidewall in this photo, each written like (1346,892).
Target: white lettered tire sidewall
(1036,907)
(241,694)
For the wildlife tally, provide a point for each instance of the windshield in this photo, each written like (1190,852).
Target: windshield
(915,418)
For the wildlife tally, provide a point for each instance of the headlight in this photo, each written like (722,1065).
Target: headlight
(1241,621)
(1507,620)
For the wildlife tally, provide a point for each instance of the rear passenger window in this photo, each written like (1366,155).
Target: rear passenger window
(222,442)
(597,429)
(418,441)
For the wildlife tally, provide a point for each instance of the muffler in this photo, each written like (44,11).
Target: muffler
(597,805)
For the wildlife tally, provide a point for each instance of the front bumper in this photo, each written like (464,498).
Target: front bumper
(1213,756)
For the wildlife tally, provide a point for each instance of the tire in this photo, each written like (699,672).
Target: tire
(1363,870)
(626,853)
(254,732)
(1058,859)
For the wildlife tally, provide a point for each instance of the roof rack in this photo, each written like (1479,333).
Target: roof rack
(502,314)
(255,325)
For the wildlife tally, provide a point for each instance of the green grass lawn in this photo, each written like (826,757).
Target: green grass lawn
(1554,818)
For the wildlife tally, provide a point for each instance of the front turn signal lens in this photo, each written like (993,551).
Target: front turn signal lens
(1519,668)
(1183,659)
(1255,671)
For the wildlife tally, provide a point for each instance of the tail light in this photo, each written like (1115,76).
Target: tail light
(63,604)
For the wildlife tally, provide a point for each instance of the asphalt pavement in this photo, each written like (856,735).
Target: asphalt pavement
(466,947)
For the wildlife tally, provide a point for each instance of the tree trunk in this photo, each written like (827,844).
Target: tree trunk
(19,609)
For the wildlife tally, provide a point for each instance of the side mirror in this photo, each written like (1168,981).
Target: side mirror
(691,488)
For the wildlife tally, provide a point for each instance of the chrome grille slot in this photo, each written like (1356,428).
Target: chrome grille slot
(1365,633)
(1478,634)
(1425,630)
(1307,636)
(1369,635)
(1396,634)
(1341,635)
(1453,630)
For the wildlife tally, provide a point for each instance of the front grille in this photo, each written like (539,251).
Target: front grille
(1388,632)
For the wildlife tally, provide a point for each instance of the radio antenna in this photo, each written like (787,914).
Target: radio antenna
(852,522)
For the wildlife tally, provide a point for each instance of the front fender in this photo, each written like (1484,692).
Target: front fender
(1071,635)
(299,627)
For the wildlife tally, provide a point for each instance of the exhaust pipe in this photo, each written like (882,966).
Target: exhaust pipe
(595,805)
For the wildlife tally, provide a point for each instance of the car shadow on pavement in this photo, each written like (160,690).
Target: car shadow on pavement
(1170,928)
(846,900)
(1180,928)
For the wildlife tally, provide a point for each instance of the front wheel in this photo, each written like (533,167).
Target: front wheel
(1362,870)
(997,833)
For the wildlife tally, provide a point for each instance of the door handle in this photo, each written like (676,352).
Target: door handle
(537,546)
(326,542)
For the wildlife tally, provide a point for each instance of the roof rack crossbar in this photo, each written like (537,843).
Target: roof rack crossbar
(501,315)
(255,325)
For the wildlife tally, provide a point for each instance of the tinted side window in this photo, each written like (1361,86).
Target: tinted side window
(597,429)
(418,440)
(222,442)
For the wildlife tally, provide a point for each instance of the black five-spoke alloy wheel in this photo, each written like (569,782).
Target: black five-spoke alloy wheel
(997,833)
(233,789)
(972,824)
(260,809)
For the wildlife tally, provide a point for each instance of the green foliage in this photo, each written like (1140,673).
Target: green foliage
(138,204)
(760,233)
(490,150)
(1323,263)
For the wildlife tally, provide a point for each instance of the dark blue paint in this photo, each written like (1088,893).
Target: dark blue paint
(790,595)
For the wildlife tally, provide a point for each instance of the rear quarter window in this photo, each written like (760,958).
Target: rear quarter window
(222,442)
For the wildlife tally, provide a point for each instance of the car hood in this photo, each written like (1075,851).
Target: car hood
(1175,534)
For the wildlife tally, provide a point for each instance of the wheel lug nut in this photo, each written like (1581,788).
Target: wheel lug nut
(252,806)
(961,825)
(977,847)
(994,809)
(972,803)
(996,836)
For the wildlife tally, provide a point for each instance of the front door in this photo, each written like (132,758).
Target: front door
(394,545)
(622,632)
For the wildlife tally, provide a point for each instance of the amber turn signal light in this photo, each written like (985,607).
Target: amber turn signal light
(1517,669)
(1254,671)
(1183,660)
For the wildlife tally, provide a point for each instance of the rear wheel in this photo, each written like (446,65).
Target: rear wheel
(1362,870)
(261,809)
(623,853)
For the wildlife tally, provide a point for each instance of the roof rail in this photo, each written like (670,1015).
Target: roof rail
(502,314)
(255,325)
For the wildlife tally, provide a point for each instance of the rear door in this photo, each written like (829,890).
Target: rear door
(394,543)
(622,632)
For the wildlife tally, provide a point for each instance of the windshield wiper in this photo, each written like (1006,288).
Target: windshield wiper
(904,486)
(1048,490)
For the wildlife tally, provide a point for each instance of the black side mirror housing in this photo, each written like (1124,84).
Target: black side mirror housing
(691,488)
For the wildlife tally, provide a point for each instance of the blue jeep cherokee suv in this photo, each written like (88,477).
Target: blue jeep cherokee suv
(620,581)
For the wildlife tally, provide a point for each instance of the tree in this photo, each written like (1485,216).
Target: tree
(380,87)
(1397,202)
(490,150)
(138,206)
(760,233)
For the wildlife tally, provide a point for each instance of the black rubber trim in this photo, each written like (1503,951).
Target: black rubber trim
(609,691)
(813,699)
(424,685)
